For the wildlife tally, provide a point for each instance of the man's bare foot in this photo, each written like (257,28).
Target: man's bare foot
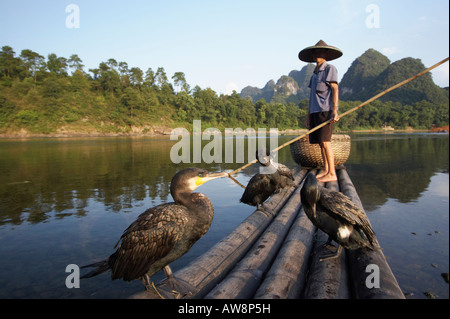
(320,175)
(327,178)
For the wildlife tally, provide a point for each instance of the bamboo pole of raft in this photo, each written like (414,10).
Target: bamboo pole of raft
(243,281)
(287,275)
(347,112)
(359,259)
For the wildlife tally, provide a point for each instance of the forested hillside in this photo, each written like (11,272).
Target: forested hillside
(373,73)
(47,95)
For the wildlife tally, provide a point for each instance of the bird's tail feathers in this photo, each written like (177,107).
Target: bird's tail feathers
(102,266)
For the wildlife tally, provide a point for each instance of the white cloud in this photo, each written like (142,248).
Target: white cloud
(230,87)
(390,51)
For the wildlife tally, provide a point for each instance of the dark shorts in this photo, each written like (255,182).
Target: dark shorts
(324,133)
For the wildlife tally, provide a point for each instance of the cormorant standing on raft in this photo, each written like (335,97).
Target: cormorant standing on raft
(260,187)
(163,233)
(263,185)
(337,216)
(265,158)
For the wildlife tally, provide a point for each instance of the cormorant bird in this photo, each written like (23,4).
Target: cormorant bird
(260,187)
(336,215)
(265,184)
(163,233)
(265,158)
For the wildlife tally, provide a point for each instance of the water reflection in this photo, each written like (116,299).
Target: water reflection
(41,177)
(44,177)
(403,182)
(396,166)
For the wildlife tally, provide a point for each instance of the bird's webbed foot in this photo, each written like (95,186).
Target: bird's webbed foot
(328,244)
(178,289)
(263,209)
(331,255)
(149,286)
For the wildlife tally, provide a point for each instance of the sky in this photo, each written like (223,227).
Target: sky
(227,45)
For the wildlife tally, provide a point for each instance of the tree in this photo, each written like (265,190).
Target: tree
(53,87)
(109,78)
(75,63)
(161,77)
(8,63)
(179,80)
(95,73)
(124,74)
(136,77)
(57,64)
(79,82)
(32,61)
(132,100)
(441,115)
(112,63)
(261,107)
(186,109)
(150,77)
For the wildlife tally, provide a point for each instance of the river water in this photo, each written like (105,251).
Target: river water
(67,201)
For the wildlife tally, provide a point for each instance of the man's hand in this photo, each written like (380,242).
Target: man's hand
(334,117)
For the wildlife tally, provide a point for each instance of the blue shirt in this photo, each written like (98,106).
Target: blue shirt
(321,98)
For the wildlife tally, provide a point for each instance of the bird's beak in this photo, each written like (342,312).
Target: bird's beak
(209,177)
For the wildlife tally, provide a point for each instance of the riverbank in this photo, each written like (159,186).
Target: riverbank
(165,130)
(66,132)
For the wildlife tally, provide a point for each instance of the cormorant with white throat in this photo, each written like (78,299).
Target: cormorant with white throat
(337,216)
(162,234)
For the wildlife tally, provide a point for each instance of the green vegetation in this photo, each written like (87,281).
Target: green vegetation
(372,73)
(55,94)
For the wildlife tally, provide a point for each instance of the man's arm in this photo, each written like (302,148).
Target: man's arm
(335,97)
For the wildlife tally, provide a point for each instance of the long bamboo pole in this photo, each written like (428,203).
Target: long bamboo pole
(348,112)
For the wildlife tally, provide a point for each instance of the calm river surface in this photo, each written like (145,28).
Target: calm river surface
(67,201)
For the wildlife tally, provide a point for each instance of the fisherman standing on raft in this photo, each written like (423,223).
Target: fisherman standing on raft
(323,102)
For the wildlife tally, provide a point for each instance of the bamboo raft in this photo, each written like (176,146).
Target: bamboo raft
(274,254)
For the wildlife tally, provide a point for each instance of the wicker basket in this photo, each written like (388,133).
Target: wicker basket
(309,155)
